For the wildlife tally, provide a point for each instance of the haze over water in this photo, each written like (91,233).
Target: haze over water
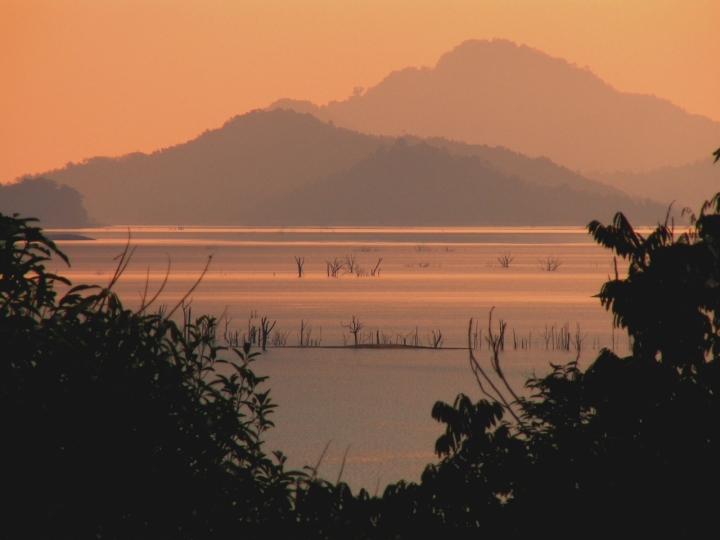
(431,279)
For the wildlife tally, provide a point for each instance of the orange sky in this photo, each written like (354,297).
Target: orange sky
(80,78)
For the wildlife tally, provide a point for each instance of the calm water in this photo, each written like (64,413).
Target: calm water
(430,280)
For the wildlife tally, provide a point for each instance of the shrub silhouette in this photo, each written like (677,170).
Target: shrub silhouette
(116,424)
(119,426)
(629,447)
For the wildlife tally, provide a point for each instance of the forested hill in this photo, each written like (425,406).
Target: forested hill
(501,94)
(689,185)
(424,185)
(216,177)
(229,175)
(56,206)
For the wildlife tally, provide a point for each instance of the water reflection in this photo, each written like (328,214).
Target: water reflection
(430,280)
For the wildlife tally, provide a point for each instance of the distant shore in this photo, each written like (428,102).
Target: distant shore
(67,236)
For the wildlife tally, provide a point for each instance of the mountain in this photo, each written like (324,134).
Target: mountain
(217,177)
(239,173)
(689,185)
(424,185)
(540,170)
(501,94)
(57,207)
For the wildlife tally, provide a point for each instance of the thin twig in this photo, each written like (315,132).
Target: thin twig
(191,288)
(342,467)
(495,343)
(160,290)
(477,368)
(122,264)
(317,465)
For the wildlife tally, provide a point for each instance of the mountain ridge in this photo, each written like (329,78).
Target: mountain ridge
(501,94)
(422,185)
(689,185)
(228,175)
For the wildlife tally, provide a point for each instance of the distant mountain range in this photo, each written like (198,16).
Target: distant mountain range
(282,167)
(424,185)
(220,176)
(501,94)
(442,145)
(689,185)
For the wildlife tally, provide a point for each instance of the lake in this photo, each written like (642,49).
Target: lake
(428,285)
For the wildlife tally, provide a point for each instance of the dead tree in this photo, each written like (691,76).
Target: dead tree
(231,337)
(334,267)
(349,262)
(279,339)
(578,340)
(415,338)
(437,339)
(252,333)
(304,333)
(265,329)
(505,259)
(549,264)
(477,336)
(300,261)
(354,327)
(376,271)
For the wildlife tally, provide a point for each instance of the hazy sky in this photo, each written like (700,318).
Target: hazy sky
(80,78)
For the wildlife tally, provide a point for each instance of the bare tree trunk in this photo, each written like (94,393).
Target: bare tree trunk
(300,261)
(265,328)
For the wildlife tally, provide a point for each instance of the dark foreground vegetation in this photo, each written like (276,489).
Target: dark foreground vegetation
(122,424)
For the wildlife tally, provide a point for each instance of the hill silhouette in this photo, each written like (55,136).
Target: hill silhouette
(501,94)
(423,185)
(57,207)
(687,185)
(238,173)
(216,177)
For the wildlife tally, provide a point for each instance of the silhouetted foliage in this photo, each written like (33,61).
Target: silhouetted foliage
(120,424)
(627,448)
